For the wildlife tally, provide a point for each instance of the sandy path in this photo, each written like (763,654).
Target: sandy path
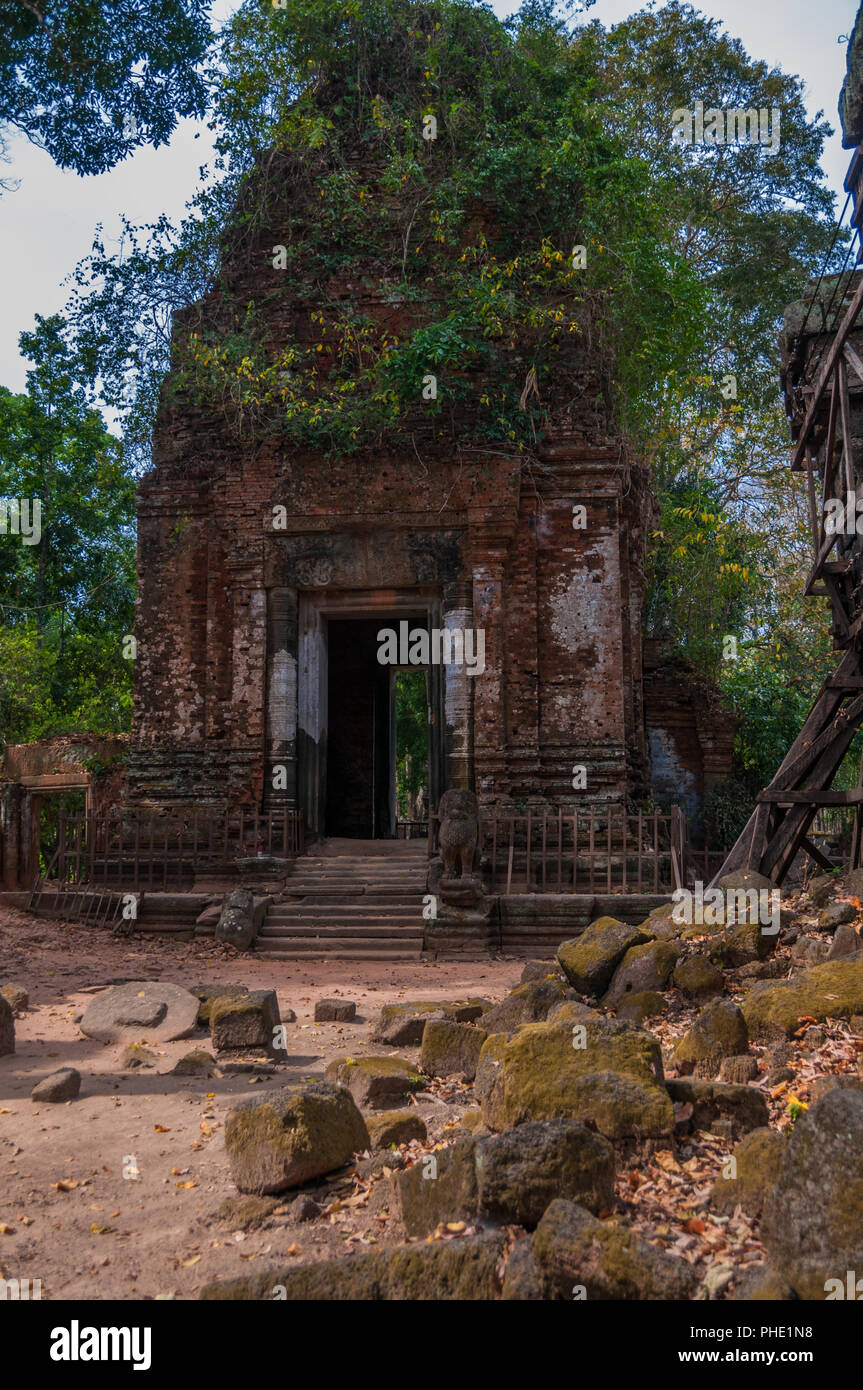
(111,1236)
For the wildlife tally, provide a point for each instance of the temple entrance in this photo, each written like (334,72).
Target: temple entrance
(377,754)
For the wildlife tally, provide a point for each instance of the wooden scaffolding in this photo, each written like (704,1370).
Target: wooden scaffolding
(824,396)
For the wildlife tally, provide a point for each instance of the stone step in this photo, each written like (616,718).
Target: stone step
(349,952)
(372,930)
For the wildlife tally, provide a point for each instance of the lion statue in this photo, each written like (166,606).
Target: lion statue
(459,831)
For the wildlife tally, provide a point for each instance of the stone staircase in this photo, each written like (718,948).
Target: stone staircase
(351,900)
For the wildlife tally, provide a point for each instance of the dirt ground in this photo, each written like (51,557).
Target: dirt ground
(69,1217)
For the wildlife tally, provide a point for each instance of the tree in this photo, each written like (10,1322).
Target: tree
(91,80)
(67,590)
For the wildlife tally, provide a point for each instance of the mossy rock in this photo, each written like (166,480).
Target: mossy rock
(603,1072)
(572,1248)
(135,1056)
(590,960)
(528,1003)
(451,1049)
(812,1226)
(757,1159)
(834,990)
(508,1178)
(401,1025)
(16,997)
(376,1083)
(293,1135)
(647,1003)
(697,977)
(437,1271)
(246,1213)
(643,968)
(719,1031)
(472,1120)
(395,1127)
(198,1062)
(209,994)
(742,944)
(488,1070)
(539,970)
(249,1021)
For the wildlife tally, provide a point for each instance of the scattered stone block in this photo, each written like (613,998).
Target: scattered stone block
(395,1127)
(437,1271)
(832,990)
(451,1049)
(712,1101)
(719,1031)
(60,1086)
(589,961)
(335,1011)
(571,1247)
(246,1022)
(286,1139)
(757,1159)
(697,976)
(208,994)
(199,1062)
(376,1083)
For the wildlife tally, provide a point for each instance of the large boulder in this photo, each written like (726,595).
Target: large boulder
(401,1025)
(509,1178)
(376,1083)
(590,960)
(451,1049)
(604,1072)
(643,968)
(297,1133)
(833,990)
(247,1022)
(753,1171)
(812,1226)
(7,1028)
(528,1003)
(578,1256)
(847,942)
(462,1270)
(718,1031)
(148,1009)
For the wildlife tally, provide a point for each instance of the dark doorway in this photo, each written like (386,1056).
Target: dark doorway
(360,731)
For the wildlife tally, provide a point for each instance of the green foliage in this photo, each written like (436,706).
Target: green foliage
(66,601)
(90,82)
(411,738)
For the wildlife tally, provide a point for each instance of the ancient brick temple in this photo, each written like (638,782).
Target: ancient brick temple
(267,572)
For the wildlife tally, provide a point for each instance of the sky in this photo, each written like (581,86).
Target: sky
(47,223)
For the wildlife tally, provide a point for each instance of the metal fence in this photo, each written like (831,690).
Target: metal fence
(153,850)
(599,849)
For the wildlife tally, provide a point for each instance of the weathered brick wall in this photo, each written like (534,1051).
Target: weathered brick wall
(232,614)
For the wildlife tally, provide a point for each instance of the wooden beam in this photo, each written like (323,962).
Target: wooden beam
(813,796)
(814,853)
(833,356)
